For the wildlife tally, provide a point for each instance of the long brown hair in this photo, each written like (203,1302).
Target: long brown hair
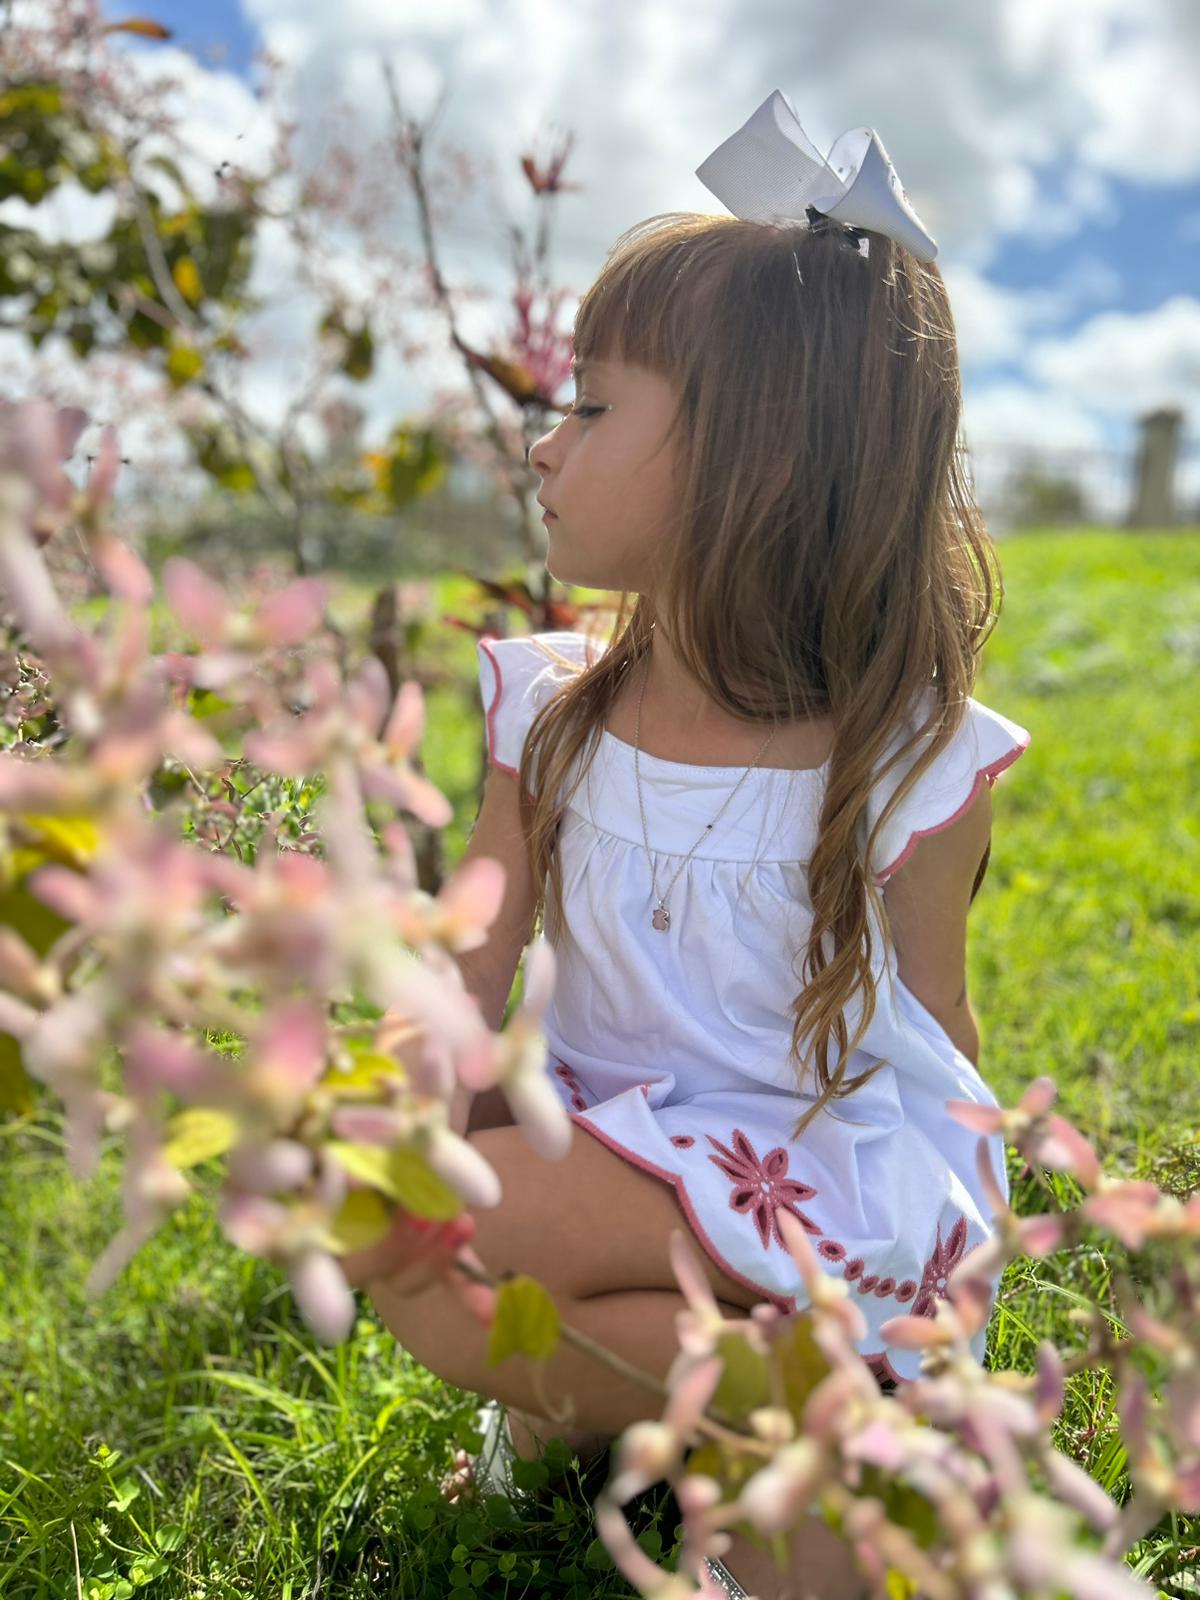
(827,558)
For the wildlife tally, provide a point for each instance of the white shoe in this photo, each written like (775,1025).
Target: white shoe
(493,1464)
(489,1472)
(721,1575)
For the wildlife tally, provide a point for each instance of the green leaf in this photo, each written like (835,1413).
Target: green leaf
(146,1568)
(804,1363)
(526,1321)
(731,1472)
(19,909)
(529,1476)
(199,1134)
(745,1382)
(650,1541)
(81,336)
(126,1493)
(905,1506)
(597,1557)
(204,703)
(16,1091)
(169,1537)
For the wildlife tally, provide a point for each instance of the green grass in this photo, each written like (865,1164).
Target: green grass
(254,1462)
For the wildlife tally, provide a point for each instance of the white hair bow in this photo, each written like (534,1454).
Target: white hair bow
(769,170)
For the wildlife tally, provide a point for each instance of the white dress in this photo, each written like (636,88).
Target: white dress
(672,1047)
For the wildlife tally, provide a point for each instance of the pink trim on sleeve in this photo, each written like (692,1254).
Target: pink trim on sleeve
(991,772)
(490,715)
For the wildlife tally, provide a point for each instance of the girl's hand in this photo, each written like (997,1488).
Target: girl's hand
(415,1254)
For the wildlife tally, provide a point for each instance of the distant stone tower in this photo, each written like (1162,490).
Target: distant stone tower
(1154,486)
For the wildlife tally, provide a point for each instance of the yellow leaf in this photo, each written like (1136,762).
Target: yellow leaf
(71,840)
(366,1162)
(187,279)
(363,1219)
(365,1079)
(898,1586)
(401,1174)
(419,1189)
(184,362)
(526,1322)
(198,1135)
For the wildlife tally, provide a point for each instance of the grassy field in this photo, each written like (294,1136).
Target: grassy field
(187,1436)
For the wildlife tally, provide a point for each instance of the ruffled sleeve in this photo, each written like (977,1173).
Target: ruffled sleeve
(982,747)
(516,677)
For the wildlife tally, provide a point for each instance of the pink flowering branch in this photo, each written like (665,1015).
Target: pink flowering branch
(325,1143)
(333,1131)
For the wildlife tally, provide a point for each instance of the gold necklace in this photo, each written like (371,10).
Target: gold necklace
(662,917)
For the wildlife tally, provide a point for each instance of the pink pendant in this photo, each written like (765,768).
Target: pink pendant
(661,920)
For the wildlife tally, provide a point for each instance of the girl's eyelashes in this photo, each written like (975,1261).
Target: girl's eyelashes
(582,411)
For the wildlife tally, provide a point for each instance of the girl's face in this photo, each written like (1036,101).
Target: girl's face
(608,470)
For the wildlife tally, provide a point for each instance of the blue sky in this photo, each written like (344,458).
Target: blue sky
(215,31)
(1052,147)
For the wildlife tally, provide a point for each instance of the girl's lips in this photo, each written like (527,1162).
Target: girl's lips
(549,516)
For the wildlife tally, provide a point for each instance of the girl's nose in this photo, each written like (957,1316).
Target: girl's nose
(539,464)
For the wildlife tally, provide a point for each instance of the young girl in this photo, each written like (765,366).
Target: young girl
(751,821)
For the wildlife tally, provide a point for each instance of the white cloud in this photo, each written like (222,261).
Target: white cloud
(992,322)
(1123,362)
(1011,415)
(68,214)
(995,324)
(218,114)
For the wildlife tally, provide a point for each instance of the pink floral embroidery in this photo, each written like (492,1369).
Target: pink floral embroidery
(938,1268)
(762,1187)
